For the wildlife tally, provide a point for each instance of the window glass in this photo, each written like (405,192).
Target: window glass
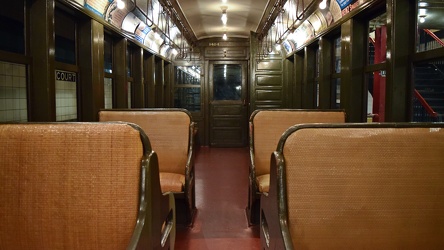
(187,91)
(65,43)
(337,92)
(108,88)
(108,54)
(13,101)
(187,98)
(337,54)
(227,82)
(430,33)
(428,92)
(317,64)
(129,66)
(12,29)
(377,36)
(66,96)
(129,95)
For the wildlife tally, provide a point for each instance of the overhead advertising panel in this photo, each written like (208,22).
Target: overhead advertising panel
(344,3)
(98,6)
(130,23)
(318,22)
(114,15)
(134,19)
(141,32)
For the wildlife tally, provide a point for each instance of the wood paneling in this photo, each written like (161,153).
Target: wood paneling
(149,73)
(159,83)
(270,65)
(138,84)
(120,90)
(42,45)
(269,95)
(326,97)
(226,53)
(268,81)
(353,33)
(401,30)
(91,69)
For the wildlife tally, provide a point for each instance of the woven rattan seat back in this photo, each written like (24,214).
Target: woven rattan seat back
(69,186)
(268,126)
(168,132)
(171,135)
(364,188)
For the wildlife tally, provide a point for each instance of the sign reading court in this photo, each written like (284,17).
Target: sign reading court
(65,76)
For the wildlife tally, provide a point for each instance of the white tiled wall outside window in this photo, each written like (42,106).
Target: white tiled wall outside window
(129,95)
(13,106)
(66,97)
(108,93)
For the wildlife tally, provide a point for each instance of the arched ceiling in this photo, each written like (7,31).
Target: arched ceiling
(204,16)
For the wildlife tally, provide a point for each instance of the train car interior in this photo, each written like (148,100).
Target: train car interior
(238,74)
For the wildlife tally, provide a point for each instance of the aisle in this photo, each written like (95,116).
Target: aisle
(221,198)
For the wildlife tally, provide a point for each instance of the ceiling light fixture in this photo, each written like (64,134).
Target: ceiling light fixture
(224,17)
(422,18)
(323,4)
(120,4)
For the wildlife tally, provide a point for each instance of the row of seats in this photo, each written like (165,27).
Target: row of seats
(114,184)
(355,186)
(327,185)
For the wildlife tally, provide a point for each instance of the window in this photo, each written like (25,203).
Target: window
(336,80)
(13,102)
(66,96)
(227,82)
(108,82)
(187,89)
(430,31)
(12,29)
(375,71)
(65,38)
(428,92)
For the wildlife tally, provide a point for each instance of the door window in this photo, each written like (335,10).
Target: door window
(227,80)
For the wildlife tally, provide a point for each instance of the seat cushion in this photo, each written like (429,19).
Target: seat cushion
(172,182)
(263,183)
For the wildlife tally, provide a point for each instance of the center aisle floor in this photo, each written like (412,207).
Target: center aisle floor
(221,198)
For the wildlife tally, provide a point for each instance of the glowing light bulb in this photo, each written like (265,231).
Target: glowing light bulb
(224,18)
(225,37)
(120,4)
(323,4)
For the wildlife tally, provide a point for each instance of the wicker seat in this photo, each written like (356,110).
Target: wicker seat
(356,186)
(81,186)
(266,127)
(171,136)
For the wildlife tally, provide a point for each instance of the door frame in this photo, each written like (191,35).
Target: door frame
(209,95)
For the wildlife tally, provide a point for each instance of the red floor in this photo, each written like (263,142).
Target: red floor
(221,198)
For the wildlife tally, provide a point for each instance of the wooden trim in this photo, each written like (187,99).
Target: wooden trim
(428,55)
(375,67)
(66,67)
(14,58)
